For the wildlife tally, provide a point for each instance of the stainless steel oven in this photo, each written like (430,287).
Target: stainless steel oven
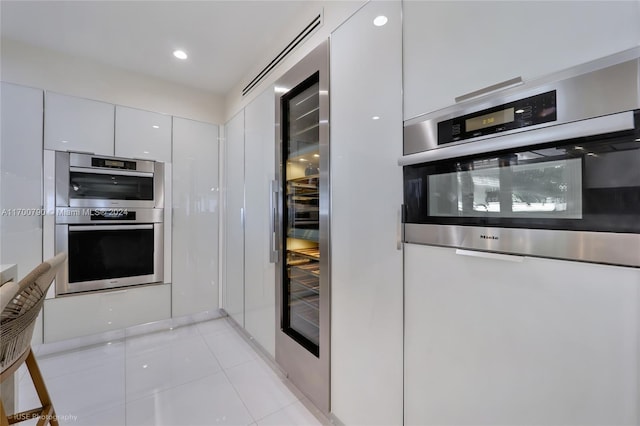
(550,168)
(87,180)
(109,248)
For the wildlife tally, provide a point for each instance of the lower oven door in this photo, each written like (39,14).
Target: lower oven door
(109,256)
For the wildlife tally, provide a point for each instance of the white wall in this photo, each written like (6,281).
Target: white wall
(335,13)
(45,69)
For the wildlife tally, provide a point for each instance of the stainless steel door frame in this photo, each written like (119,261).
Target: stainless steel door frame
(309,373)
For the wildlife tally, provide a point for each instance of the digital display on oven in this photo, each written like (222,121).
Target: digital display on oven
(113,163)
(488,120)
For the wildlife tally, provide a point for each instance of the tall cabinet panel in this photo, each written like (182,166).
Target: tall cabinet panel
(233,293)
(76,124)
(259,272)
(195,217)
(21,177)
(366,261)
(303,270)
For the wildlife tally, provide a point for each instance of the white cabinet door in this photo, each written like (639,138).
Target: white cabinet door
(142,134)
(366,182)
(76,124)
(233,292)
(92,313)
(195,217)
(454,48)
(259,273)
(539,342)
(21,177)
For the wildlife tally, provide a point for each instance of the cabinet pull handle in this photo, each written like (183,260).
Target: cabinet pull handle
(489,89)
(273,252)
(399,233)
(488,255)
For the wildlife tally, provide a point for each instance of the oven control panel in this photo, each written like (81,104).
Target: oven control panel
(513,115)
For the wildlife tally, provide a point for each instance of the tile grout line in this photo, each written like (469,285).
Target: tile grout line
(229,380)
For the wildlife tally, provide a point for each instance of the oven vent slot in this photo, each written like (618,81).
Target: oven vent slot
(297,40)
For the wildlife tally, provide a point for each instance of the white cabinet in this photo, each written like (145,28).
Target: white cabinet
(21,177)
(76,124)
(142,134)
(92,313)
(540,341)
(195,217)
(233,294)
(454,48)
(259,273)
(366,188)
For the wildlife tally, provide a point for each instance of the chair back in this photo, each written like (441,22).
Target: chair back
(21,305)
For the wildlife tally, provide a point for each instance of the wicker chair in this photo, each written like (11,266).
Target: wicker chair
(20,305)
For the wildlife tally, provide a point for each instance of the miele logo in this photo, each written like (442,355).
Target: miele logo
(489,237)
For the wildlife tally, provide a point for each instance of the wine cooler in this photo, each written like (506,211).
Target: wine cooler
(301,231)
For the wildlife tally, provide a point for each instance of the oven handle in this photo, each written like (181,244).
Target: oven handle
(576,129)
(110,172)
(73,228)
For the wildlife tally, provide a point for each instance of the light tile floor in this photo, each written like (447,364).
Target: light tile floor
(199,374)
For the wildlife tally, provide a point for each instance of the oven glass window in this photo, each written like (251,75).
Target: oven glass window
(110,186)
(503,187)
(108,254)
(586,184)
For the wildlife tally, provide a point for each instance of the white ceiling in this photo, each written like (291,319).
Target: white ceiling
(225,40)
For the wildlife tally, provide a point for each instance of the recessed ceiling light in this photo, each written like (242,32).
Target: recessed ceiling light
(146,152)
(156,127)
(302,159)
(316,155)
(180,54)
(64,141)
(380,20)
(375,117)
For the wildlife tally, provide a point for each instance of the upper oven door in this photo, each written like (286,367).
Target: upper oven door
(89,181)
(588,183)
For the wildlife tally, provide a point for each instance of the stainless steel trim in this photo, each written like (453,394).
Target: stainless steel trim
(99,171)
(71,215)
(104,203)
(62,278)
(594,126)
(81,228)
(490,255)
(579,92)
(158,185)
(62,179)
(309,373)
(273,193)
(599,247)
(84,161)
(490,89)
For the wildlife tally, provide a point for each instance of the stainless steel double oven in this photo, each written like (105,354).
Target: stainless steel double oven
(109,219)
(550,168)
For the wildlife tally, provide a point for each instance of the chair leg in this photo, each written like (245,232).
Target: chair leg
(49,413)
(3,419)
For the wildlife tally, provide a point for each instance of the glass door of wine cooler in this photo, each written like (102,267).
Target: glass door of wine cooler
(301,226)
(301,211)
